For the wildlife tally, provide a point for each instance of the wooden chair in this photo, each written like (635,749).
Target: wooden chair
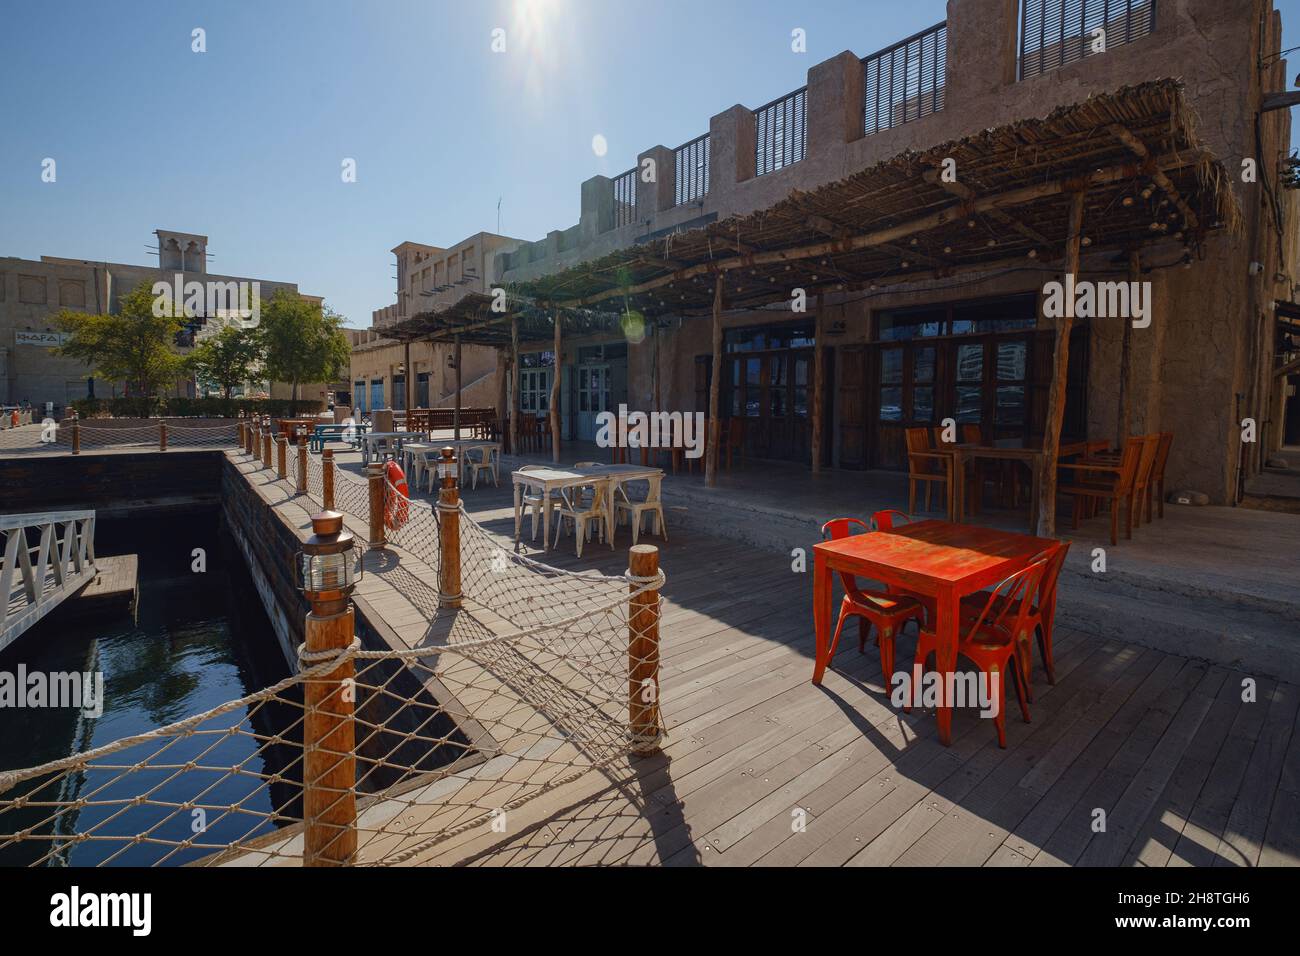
(996,640)
(925,465)
(1096,481)
(1156,487)
(888,613)
(1142,483)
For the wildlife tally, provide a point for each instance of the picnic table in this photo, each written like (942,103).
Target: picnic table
(939,560)
(555,482)
(348,433)
(374,444)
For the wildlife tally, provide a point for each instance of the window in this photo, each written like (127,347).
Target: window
(535,381)
(959,318)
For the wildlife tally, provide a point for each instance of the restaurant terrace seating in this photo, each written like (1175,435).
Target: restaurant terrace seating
(1093,481)
(925,466)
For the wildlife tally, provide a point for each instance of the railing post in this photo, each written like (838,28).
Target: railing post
(643,649)
(266,447)
(76,437)
(375,477)
(302,464)
(162,436)
(449,531)
(239,432)
(281,463)
(327,479)
(329,732)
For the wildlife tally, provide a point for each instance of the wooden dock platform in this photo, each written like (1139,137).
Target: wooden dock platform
(762,767)
(115,588)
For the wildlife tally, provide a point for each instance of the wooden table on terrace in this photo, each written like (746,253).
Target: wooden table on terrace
(555,481)
(939,560)
(1007,450)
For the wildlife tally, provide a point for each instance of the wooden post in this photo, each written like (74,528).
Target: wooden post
(375,478)
(449,532)
(643,650)
(329,734)
(409,381)
(327,479)
(1046,502)
(501,388)
(239,431)
(281,464)
(819,383)
(455,415)
(76,437)
(266,446)
(302,464)
(249,432)
(162,436)
(715,378)
(514,384)
(555,392)
(1126,358)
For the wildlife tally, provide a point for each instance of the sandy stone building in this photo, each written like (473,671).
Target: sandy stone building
(32,292)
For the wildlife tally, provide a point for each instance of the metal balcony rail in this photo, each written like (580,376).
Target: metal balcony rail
(906,81)
(692,165)
(625,198)
(1055,33)
(781,132)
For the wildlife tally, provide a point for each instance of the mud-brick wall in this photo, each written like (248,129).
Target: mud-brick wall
(270,548)
(108,481)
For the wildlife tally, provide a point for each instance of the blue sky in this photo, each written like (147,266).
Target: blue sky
(244,143)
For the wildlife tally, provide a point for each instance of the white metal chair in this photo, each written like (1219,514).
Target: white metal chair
(533,499)
(585,506)
(485,461)
(637,509)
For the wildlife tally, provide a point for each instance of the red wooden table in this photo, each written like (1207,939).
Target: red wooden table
(937,559)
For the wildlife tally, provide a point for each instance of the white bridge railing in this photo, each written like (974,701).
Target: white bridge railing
(35,578)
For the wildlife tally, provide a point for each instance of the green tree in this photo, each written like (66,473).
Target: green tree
(227,359)
(301,341)
(136,345)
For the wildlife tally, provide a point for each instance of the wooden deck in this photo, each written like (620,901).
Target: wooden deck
(1186,772)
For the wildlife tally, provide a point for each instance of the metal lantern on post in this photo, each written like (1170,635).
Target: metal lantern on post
(330,569)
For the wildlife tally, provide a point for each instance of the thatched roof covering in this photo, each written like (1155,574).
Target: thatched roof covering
(1148,179)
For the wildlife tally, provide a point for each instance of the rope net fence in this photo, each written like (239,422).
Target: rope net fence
(371,755)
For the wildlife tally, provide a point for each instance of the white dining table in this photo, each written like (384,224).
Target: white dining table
(371,441)
(551,482)
(417,456)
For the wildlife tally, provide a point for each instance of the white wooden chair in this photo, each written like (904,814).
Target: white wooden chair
(534,499)
(584,506)
(637,509)
(484,460)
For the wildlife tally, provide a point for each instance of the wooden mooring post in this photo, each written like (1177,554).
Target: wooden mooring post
(375,478)
(329,731)
(281,455)
(162,436)
(76,437)
(449,594)
(302,465)
(266,446)
(643,650)
(327,479)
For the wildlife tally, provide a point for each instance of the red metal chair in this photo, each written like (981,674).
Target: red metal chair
(997,640)
(884,520)
(889,613)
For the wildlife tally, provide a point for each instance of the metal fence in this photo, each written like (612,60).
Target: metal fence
(781,132)
(907,80)
(625,198)
(1055,33)
(692,181)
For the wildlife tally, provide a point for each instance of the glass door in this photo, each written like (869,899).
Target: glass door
(593,398)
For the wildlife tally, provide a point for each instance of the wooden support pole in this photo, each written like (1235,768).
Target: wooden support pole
(266,446)
(643,650)
(250,432)
(1046,503)
(715,379)
(408,380)
(449,532)
(819,383)
(375,480)
(302,465)
(514,384)
(502,374)
(455,416)
(1126,360)
(555,392)
(76,437)
(281,456)
(162,436)
(327,479)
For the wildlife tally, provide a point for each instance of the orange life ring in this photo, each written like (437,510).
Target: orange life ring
(396,509)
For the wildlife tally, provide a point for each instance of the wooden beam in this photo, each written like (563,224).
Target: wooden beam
(555,392)
(1013,197)
(1287,369)
(966,194)
(715,378)
(1046,503)
(1280,101)
(1126,359)
(1139,149)
(819,382)
(514,384)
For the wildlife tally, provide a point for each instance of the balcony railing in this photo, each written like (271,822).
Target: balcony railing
(907,80)
(625,198)
(781,132)
(692,180)
(1055,33)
